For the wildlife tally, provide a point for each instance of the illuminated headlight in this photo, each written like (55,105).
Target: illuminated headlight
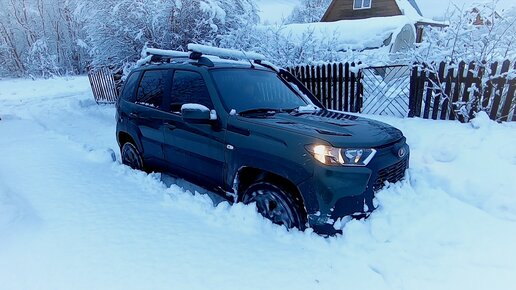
(339,156)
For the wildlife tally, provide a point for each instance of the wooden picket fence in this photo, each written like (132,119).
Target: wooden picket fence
(443,91)
(103,85)
(456,91)
(335,85)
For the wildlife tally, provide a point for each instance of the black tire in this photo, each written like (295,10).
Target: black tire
(131,156)
(276,203)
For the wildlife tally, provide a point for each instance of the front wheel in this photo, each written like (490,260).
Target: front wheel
(276,204)
(131,156)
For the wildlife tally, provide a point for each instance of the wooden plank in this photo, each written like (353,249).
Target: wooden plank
(498,90)
(477,94)
(318,83)
(457,88)
(360,91)
(329,85)
(467,94)
(447,91)
(412,91)
(346,88)
(489,86)
(429,95)
(353,82)
(98,81)
(323,86)
(509,99)
(340,82)
(302,76)
(104,84)
(334,83)
(420,90)
(437,98)
(306,72)
(314,82)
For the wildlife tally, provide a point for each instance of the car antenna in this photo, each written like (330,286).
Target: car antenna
(250,62)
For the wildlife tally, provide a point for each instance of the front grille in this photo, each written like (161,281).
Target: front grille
(392,174)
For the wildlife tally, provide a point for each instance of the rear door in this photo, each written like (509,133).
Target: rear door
(148,113)
(195,150)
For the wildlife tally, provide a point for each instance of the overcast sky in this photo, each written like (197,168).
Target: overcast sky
(436,8)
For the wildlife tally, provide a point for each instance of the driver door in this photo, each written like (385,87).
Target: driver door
(195,151)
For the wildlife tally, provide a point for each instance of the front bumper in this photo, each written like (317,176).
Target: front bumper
(349,191)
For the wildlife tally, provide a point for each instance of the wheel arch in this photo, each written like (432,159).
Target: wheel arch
(248,175)
(124,137)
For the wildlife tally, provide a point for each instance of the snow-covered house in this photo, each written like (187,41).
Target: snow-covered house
(359,25)
(364,9)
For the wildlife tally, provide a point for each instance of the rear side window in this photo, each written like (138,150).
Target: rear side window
(152,88)
(130,85)
(188,87)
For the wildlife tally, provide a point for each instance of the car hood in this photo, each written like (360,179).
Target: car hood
(338,129)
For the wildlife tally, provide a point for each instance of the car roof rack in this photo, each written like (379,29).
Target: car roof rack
(197,52)
(224,52)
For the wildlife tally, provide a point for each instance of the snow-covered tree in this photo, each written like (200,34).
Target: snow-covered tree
(479,33)
(39,37)
(118,29)
(308,11)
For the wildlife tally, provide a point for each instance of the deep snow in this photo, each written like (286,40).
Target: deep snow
(71,218)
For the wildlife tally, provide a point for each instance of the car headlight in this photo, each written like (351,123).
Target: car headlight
(341,156)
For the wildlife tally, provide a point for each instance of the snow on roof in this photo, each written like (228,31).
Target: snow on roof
(275,11)
(410,9)
(357,34)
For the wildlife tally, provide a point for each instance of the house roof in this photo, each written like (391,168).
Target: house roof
(416,7)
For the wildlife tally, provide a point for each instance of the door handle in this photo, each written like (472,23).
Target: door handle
(133,115)
(170,126)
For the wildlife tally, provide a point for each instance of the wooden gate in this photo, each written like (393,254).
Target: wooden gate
(103,85)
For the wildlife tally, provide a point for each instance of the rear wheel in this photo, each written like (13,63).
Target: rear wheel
(131,156)
(276,204)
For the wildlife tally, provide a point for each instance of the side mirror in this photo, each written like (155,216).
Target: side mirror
(197,113)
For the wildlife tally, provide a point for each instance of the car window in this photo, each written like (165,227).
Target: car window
(152,88)
(188,87)
(246,89)
(128,93)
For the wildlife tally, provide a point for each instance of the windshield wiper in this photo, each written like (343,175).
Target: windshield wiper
(268,111)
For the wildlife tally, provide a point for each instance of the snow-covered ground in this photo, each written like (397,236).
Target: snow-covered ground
(72,218)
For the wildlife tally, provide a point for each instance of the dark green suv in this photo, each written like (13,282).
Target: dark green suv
(254,134)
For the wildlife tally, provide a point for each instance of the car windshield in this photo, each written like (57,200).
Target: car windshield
(249,89)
